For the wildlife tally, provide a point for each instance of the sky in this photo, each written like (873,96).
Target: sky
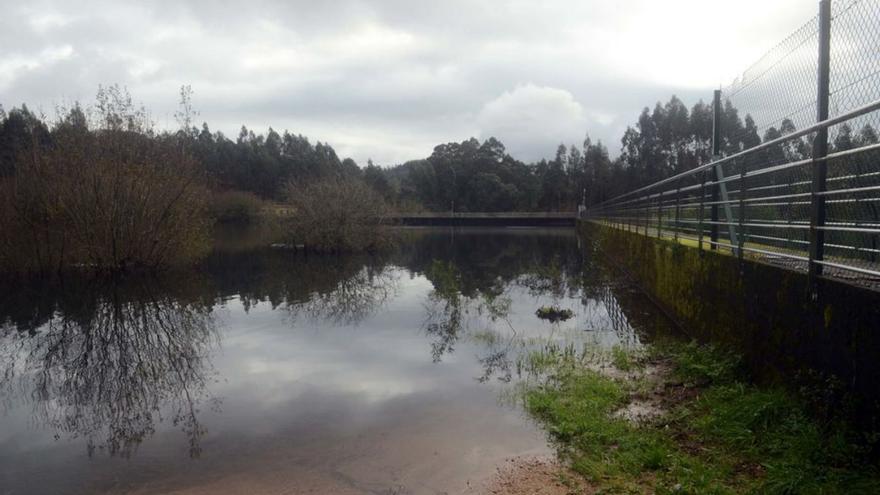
(391,79)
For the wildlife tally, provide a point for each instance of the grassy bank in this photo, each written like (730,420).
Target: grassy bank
(682,418)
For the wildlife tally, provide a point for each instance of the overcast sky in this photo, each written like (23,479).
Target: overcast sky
(391,79)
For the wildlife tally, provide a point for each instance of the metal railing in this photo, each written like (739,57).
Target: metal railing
(808,199)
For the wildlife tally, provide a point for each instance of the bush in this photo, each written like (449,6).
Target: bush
(109,194)
(338,214)
(235,207)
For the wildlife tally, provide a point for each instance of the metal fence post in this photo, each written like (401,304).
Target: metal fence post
(716,152)
(675,228)
(660,216)
(742,211)
(820,145)
(702,213)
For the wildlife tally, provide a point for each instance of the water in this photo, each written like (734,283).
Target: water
(274,372)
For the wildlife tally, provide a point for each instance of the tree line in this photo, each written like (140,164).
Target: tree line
(467,176)
(668,140)
(63,180)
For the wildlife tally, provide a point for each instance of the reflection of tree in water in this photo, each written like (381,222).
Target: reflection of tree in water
(472,277)
(450,313)
(490,262)
(352,299)
(339,289)
(112,361)
(471,293)
(106,362)
(445,308)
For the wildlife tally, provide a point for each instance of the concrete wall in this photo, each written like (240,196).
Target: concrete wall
(766,312)
(552,219)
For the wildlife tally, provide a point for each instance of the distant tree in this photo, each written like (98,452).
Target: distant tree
(273,144)
(776,154)
(597,171)
(554,183)
(843,140)
(375,178)
(350,168)
(185,113)
(701,132)
(867,136)
(20,130)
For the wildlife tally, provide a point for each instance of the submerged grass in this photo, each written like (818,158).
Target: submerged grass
(719,433)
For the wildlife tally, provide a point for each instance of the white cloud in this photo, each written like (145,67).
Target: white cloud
(533,120)
(42,23)
(11,67)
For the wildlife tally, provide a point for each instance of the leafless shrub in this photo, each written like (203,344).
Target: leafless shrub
(338,214)
(107,192)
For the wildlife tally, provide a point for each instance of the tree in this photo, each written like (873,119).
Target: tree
(375,178)
(20,130)
(843,140)
(867,136)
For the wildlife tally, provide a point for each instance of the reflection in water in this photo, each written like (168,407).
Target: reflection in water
(472,297)
(352,299)
(317,351)
(603,312)
(111,361)
(449,312)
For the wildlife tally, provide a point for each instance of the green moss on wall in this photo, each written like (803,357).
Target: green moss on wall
(768,313)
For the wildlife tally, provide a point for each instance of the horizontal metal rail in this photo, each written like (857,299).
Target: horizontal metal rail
(870,107)
(768,212)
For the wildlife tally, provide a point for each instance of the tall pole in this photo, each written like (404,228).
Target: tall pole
(716,154)
(820,145)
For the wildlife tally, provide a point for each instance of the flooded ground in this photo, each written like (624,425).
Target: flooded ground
(267,371)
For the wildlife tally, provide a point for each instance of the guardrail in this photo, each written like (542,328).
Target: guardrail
(766,210)
(816,210)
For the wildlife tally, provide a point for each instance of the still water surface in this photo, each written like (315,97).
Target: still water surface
(270,371)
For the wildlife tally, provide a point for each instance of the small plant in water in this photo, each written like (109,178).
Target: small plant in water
(553,313)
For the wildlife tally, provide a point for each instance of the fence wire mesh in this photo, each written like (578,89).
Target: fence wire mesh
(769,193)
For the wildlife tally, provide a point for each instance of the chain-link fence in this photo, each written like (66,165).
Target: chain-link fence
(795,178)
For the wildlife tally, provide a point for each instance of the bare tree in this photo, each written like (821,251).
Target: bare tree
(107,193)
(338,214)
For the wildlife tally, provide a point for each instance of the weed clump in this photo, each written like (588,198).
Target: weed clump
(553,313)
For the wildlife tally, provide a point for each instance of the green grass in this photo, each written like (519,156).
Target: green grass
(700,364)
(721,435)
(622,359)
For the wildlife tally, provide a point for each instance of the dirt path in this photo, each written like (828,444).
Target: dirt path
(534,476)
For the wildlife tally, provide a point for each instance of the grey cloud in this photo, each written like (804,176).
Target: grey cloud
(381,79)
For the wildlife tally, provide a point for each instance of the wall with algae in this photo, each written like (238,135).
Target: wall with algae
(767,313)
